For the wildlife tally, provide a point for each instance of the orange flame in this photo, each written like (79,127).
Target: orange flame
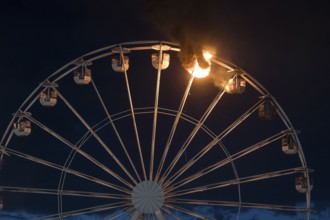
(199,72)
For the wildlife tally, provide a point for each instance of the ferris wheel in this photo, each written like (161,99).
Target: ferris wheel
(125,132)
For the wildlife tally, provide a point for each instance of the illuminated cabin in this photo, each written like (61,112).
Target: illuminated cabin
(1,202)
(164,63)
(120,65)
(289,146)
(301,184)
(82,76)
(22,128)
(236,85)
(48,98)
(267,110)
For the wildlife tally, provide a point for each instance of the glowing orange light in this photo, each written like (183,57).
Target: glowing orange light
(199,72)
(207,55)
(229,85)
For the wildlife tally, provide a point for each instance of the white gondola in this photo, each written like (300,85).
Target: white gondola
(83,76)
(301,184)
(267,110)
(289,146)
(120,65)
(236,85)
(22,128)
(48,98)
(1,202)
(164,63)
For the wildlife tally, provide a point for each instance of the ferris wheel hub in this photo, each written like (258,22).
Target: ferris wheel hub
(148,197)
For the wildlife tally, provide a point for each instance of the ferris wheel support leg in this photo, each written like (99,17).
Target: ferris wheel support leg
(170,213)
(160,215)
(136,215)
(189,212)
(118,213)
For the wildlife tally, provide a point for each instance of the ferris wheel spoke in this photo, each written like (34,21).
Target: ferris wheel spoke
(192,134)
(170,213)
(133,118)
(81,152)
(159,215)
(217,203)
(65,169)
(121,212)
(115,130)
(241,180)
(275,207)
(213,143)
(154,126)
(89,210)
(229,159)
(64,192)
(188,212)
(90,129)
(174,126)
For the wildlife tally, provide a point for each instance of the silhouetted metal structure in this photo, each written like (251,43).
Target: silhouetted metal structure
(154,161)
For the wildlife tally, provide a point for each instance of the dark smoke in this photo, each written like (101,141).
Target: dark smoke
(188,23)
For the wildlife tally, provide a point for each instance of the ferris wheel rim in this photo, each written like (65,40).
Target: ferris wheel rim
(147,110)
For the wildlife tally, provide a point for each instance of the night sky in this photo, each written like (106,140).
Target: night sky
(283,44)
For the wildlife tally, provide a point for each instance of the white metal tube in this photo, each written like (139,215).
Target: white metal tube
(216,140)
(160,215)
(81,152)
(114,157)
(84,211)
(61,168)
(223,162)
(189,212)
(133,118)
(64,192)
(136,215)
(174,126)
(154,126)
(239,181)
(192,134)
(116,131)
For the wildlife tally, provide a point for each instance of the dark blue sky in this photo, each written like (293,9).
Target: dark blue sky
(284,45)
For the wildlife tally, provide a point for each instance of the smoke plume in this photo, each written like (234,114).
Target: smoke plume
(188,23)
